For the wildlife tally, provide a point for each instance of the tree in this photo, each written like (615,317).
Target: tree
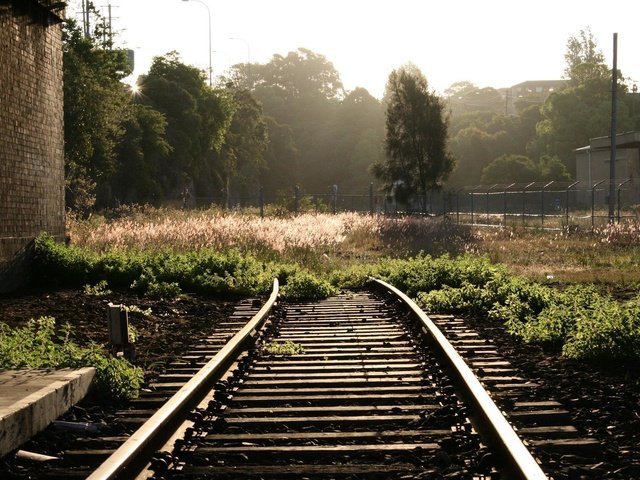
(521,169)
(466,97)
(241,156)
(584,59)
(573,115)
(142,157)
(416,135)
(509,169)
(302,91)
(95,107)
(197,121)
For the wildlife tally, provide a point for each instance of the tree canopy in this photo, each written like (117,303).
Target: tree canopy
(416,137)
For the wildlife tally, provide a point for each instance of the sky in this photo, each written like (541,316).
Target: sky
(491,43)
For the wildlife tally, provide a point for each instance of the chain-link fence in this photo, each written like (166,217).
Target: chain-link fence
(549,205)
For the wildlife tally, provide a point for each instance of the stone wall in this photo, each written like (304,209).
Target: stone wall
(31,133)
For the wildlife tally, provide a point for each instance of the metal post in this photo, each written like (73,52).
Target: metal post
(458,207)
(334,194)
(296,198)
(505,203)
(261,199)
(371,198)
(614,98)
(472,220)
(524,202)
(566,209)
(619,188)
(486,207)
(542,205)
(593,203)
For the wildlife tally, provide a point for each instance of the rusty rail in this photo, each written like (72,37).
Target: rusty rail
(132,456)
(489,419)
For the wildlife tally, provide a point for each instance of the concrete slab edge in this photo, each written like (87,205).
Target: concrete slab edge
(36,411)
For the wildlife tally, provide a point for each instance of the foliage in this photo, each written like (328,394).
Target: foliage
(240,158)
(95,106)
(416,134)
(584,59)
(582,110)
(305,286)
(166,274)
(606,331)
(100,289)
(142,157)
(197,122)
(37,345)
(286,348)
(509,168)
(521,169)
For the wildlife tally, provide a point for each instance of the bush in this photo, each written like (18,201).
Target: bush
(304,286)
(36,345)
(610,332)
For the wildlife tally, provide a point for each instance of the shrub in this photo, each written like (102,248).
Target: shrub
(610,332)
(36,345)
(304,286)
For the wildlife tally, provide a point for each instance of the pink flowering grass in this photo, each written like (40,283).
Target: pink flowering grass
(218,230)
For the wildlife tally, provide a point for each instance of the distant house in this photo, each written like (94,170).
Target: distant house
(533,92)
(593,165)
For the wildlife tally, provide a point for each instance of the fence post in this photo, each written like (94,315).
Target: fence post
(334,190)
(505,203)
(458,207)
(542,204)
(371,198)
(593,204)
(619,189)
(472,198)
(296,198)
(261,200)
(524,202)
(486,206)
(567,201)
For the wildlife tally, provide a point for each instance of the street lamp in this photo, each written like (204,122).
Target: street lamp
(209,12)
(250,80)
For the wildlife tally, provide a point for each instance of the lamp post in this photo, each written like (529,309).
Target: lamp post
(209,12)
(249,79)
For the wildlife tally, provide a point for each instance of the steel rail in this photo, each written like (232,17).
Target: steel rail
(125,460)
(515,454)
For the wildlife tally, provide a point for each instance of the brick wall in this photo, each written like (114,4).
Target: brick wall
(31,133)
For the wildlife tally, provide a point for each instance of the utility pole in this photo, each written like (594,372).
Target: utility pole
(85,18)
(614,99)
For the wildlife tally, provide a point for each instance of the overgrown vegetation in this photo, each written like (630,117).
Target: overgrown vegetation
(286,348)
(167,274)
(36,345)
(582,320)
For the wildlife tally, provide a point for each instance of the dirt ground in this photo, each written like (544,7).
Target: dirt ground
(161,335)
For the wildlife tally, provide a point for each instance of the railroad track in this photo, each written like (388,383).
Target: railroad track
(377,393)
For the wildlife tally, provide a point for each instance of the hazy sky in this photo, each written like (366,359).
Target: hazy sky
(490,43)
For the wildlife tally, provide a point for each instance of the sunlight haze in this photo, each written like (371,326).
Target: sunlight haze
(491,43)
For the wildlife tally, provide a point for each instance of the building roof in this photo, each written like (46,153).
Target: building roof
(623,140)
(539,83)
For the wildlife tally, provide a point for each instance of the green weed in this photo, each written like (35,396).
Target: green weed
(37,345)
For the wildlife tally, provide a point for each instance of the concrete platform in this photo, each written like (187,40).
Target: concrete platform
(31,399)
